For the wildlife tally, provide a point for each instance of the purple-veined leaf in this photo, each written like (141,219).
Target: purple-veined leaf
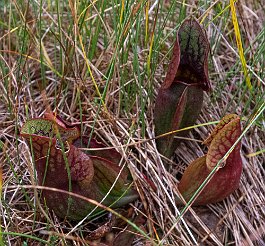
(61,164)
(227,177)
(179,100)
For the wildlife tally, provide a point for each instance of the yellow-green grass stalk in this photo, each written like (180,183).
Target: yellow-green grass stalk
(239,44)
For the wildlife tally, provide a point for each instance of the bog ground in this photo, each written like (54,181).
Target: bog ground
(100,64)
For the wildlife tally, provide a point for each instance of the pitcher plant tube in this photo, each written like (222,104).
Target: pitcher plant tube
(180,97)
(61,164)
(227,177)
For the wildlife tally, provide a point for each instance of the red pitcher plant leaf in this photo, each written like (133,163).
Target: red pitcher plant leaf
(61,164)
(97,148)
(227,177)
(179,100)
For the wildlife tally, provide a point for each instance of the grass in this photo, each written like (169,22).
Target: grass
(100,63)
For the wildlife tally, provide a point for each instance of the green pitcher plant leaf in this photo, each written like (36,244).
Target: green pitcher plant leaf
(227,177)
(180,97)
(56,150)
